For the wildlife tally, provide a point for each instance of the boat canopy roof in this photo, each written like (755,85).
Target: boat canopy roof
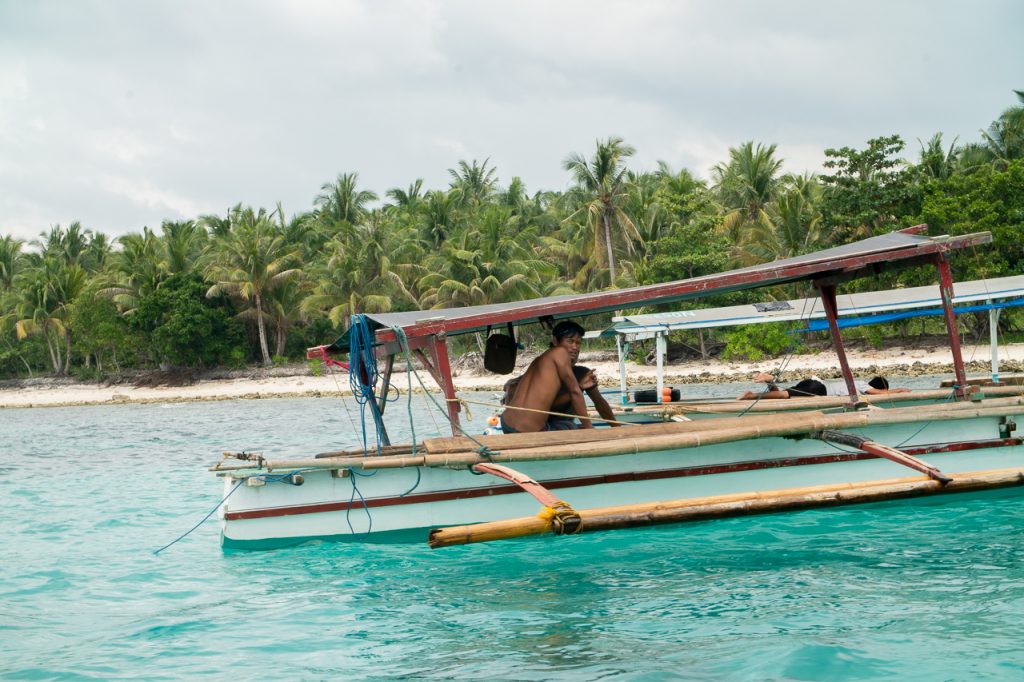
(866,257)
(925,300)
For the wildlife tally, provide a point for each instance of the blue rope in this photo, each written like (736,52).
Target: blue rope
(203,520)
(483,451)
(352,473)
(363,375)
(269,478)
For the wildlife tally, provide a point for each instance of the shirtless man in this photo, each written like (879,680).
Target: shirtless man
(547,376)
(587,379)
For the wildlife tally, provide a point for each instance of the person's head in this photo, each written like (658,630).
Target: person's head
(880,383)
(569,335)
(806,388)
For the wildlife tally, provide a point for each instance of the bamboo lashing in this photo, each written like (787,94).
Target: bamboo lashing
(723,506)
(456,452)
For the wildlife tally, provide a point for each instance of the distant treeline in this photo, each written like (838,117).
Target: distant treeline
(255,285)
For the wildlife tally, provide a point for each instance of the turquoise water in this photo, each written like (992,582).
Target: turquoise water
(931,589)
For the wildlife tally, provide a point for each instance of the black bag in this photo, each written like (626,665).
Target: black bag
(500,352)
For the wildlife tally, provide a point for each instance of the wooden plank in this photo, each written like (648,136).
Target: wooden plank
(512,441)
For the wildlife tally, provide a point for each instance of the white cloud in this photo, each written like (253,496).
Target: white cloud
(144,194)
(121,145)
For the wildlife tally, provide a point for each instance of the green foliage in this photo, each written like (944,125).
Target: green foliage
(755,342)
(185,328)
(103,333)
(988,199)
(689,250)
(22,358)
(316,367)
(867,192)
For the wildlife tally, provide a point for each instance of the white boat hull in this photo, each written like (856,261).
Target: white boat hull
(402,504)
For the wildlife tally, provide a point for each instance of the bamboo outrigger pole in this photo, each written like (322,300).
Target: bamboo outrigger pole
(723,506)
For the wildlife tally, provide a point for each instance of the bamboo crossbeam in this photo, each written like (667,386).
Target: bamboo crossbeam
(671,436)
(513,441)
(740,504)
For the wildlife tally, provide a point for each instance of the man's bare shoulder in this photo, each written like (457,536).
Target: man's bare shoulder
(557,354)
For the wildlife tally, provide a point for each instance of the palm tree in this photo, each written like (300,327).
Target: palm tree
(473,184)
(46,293)
(790,226)
(135,271)
(409,199)
(360,276)
(284,309)
(1005,137)
(439,217)
(936,162)
(67,246)
(183,244)
(515,197)
(250,261)
(644,204)
(11,260)
(342,202)
(218,226)
(745,186)
(462,277)
(97,253)
(35,310)
(972,156)
(601,187)
(748,181)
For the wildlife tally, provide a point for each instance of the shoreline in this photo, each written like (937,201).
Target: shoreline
(299,382)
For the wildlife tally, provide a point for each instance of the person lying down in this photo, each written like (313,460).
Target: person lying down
(813,387)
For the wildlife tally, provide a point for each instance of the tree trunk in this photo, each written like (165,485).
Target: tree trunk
(608,245)
(280,338)
(263,331)
(55,352)
(67,351)
(703,348)
(481,344)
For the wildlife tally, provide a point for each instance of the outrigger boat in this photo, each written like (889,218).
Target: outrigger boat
(470,488)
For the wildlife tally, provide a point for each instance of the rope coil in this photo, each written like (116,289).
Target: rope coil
(563,518)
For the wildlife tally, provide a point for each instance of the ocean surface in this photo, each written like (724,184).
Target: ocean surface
(921,590)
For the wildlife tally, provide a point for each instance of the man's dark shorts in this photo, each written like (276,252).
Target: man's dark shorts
(552,424)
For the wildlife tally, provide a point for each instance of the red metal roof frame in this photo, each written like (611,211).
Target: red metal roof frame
(903,248)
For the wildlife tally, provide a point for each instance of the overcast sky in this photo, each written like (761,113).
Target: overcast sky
(125,113)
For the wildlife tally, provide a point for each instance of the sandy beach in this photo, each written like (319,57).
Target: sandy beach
(299,381)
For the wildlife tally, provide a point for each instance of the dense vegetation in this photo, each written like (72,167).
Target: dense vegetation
(255,285)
